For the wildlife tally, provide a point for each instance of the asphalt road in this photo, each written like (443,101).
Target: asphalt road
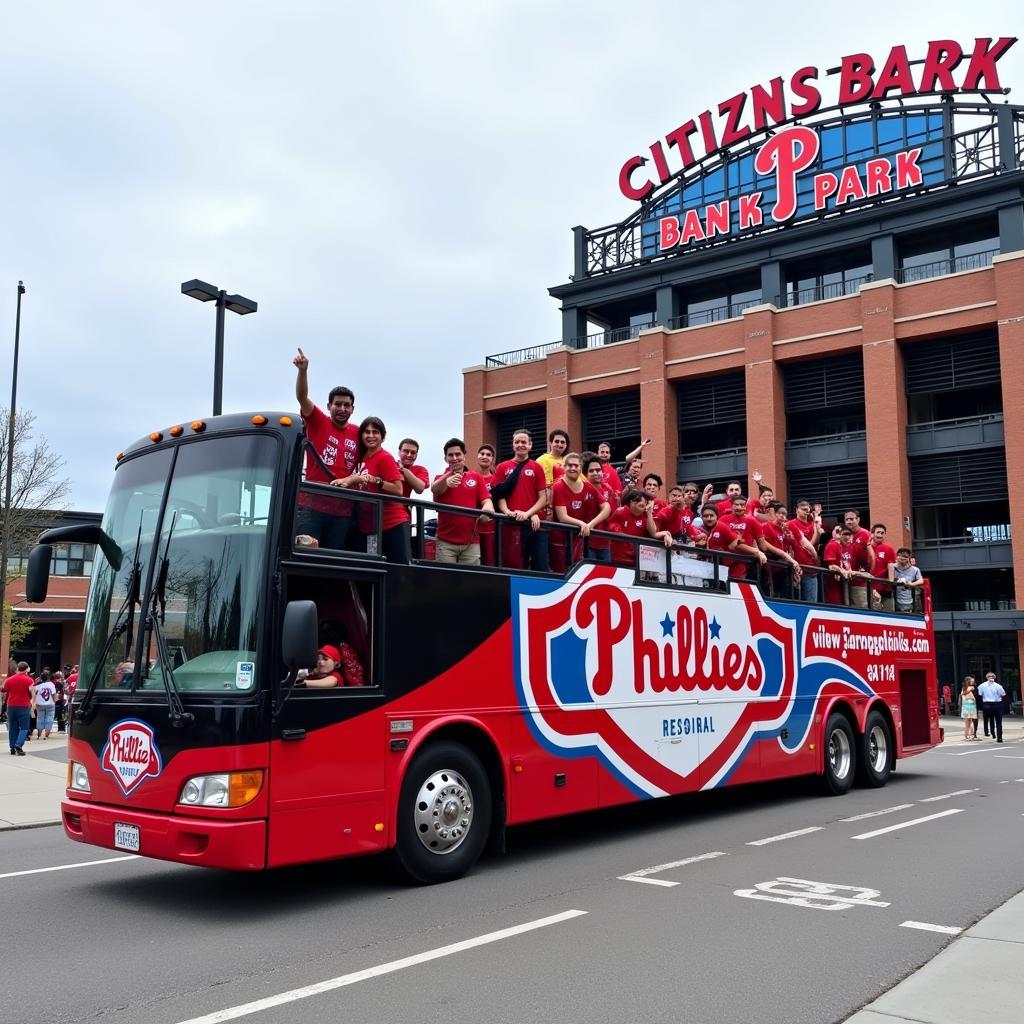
(768,903)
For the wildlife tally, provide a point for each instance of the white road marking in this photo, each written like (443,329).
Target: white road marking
(293,995)
(802,892)
(979,750)
(1011,757)
(65,867)
(875,814)
(908,824)
(787,835)
(921,926)
(641,875)
(946,796)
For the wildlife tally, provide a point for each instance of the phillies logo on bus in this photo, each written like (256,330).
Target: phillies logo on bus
(669,688)
(131,754)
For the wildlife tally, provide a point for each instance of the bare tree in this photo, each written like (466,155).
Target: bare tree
(38,484)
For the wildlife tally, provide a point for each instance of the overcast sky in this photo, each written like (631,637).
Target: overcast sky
(395,184)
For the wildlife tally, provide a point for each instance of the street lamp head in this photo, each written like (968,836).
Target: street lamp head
(240,304)
(199,290)
(21,287)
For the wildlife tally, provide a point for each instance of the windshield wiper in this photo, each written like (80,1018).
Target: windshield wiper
(124,622)
(155,625)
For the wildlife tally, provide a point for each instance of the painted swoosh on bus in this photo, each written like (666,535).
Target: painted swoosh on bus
(670,688)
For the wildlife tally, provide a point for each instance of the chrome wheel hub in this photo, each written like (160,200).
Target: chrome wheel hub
(443,812)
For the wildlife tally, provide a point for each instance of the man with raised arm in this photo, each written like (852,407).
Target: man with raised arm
(333,442)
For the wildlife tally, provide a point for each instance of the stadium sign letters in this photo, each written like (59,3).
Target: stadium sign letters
(947,67)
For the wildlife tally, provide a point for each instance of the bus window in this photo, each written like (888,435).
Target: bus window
(345,609)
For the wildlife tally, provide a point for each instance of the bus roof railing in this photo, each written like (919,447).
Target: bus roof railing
(671,561)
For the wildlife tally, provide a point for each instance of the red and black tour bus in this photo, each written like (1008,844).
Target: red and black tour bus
(490,697)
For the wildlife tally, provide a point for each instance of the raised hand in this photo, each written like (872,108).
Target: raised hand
(301,361)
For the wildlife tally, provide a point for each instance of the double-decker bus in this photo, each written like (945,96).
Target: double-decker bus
(489,697)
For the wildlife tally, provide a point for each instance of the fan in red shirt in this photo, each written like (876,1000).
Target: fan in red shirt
(414,478)
(378,473)
(746,527)
(721,537)
(652,486)
(634,519)
(578,502)
(485,531)
(677,515)
(885,555)
(458,535)
(18,688)
(864,562)
(333,441)
(780,541)
(593,468)
(840,556)
(806,534)
(608,471)
(521,492)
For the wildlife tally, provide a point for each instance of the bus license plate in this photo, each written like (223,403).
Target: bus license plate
(126,837)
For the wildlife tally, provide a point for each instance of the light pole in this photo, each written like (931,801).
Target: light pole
(5,532)
(237,304)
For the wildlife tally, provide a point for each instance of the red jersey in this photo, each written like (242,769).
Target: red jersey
(417,471)
(612,497)
(673,519)
(336,447)
(800,553)
(18,686)
(861,547)
(529,487)
(611,477)
(471,493)
(720,537)
(656,505)
(381,463)
(623,521)
(584,504)
(840,554)
(489,481)
(885,555)
(748,529)
(778,537)
(724,507)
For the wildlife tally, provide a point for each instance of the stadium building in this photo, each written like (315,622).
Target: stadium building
(821,278)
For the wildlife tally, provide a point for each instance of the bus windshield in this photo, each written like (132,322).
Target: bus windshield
(198,568)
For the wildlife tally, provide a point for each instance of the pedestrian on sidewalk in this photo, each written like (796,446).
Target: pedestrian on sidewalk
(46,702)
(969,709)
(992,697)
(19,689)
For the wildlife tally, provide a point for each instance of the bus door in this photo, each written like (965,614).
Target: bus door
(326,754)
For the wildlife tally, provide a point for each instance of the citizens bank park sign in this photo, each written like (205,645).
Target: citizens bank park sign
(774,155)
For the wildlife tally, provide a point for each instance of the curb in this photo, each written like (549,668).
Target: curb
(33,824)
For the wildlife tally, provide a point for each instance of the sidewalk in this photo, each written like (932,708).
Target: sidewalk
(32,787)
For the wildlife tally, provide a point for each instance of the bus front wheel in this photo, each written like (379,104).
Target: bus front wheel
(444,814)
(840,755)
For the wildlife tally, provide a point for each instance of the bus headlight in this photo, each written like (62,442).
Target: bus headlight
(78,777)
(226,789)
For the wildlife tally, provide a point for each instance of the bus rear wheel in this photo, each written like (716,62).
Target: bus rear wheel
(876,752)
(444,814)
(840,755)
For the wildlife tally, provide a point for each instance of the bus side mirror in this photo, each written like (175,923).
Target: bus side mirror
(37,581)
(299,636)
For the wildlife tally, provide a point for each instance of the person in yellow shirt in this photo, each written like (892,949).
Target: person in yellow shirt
(551,463)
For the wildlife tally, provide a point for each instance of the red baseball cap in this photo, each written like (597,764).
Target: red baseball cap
(332,652)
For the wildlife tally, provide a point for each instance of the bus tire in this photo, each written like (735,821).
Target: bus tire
(840,754)
(444,814)
(876,752)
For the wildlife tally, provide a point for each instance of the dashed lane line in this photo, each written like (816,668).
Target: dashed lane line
(295,994)
(65,867)
(978,750)
(641,875)
(876,814)
(909,824)
(946,796)
(922,926)
(786,835)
